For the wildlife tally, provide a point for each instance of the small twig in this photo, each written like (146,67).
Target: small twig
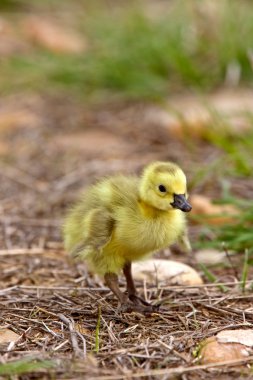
(151,289)
(84,343)
(145,290)
(225,311)
(231,262)
(172,371)
(45,311)
(26,319)
(110,332)
(59,288)
(60,345)
(25,251)
(6,290)
(144,356)
(14,343)
(50,331)
(185,287)
(30,222)
(73,337)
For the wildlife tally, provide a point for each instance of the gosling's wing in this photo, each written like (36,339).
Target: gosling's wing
(98,227)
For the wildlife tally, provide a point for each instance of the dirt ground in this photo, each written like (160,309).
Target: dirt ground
(65,323)
(51,149)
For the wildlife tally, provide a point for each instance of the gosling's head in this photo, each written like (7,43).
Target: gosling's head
(163,186)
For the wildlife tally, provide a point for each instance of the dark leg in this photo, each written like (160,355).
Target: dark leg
(111,280)
(131,289)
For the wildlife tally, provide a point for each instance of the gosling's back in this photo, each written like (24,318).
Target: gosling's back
(109,195)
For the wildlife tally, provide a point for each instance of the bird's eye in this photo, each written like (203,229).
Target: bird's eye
(162,188)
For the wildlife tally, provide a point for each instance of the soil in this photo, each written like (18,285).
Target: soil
(48,156)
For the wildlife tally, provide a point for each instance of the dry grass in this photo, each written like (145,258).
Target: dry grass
(52,145)
(53,304)
(57,319)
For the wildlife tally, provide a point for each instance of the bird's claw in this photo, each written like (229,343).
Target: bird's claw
(129,307)
(139,305)
(138,300)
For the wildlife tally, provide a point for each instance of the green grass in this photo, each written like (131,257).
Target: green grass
(136,56)
(211,277)
(21,367)
(245,270)
(97,334)
(236,147)
(236,162)
(237,236)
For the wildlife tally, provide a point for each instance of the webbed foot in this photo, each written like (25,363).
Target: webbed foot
(129,307)
(139,305)
(137,300)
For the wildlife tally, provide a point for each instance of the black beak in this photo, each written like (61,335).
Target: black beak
(181,203)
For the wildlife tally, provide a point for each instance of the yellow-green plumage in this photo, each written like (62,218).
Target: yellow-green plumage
(122,219)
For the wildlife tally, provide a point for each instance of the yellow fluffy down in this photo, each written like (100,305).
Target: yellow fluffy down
(122,219)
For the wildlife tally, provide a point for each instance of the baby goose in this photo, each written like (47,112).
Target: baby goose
(122,219)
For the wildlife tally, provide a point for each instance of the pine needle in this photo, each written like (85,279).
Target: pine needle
(245,270)
(98,330)
(212,278)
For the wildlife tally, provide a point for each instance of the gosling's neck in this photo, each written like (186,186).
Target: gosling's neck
(150,211)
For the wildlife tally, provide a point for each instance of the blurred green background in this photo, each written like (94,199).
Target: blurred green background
(109,53)
(133,49)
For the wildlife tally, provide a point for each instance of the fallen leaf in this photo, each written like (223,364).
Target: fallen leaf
(166,272)
(7,336)
(212,351)
(53,36)
(241,336)
(212,214)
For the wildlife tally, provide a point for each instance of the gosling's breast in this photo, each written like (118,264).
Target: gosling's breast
(142,235)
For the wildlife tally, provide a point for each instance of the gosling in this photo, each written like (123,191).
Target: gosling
(122,219)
